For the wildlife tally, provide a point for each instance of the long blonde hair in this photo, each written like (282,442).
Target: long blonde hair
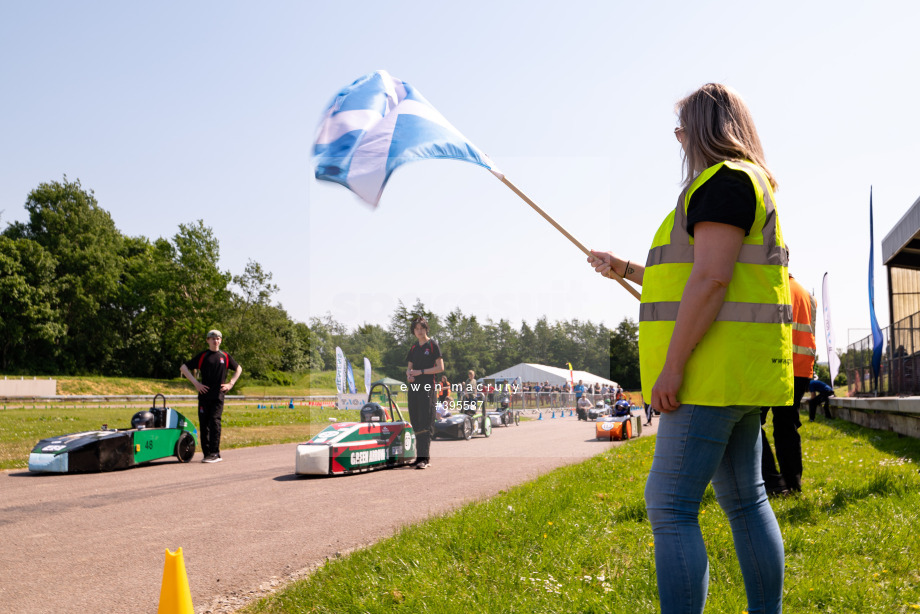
(718,126)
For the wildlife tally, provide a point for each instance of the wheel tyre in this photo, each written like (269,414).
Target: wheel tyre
(467,432)
(185,447)
(486,426)
(517,419)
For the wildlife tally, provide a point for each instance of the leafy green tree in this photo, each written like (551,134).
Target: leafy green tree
(172,293)
(197,296)
(29,319)
(87,250)
(624,355)
(401,337)
(143,316)
(368,340)
(526,344)
(256,330)
(504,345)
(464,346)
(823,373)
(327,334)
(300,351)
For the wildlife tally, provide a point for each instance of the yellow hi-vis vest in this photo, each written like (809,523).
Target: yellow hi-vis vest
(745,358)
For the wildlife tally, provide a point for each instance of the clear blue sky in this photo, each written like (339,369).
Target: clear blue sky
(177,111)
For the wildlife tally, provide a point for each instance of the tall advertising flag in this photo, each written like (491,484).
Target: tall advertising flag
(876,331)
(339,370)
(833,361)
(571,375)
(351,377)
(367,375)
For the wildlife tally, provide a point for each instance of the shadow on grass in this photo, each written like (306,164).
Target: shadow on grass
(633,511)
(888,442)
(811,508)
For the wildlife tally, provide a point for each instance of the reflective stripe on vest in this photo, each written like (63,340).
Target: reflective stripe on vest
(746,357)
(760,313)
(804,312)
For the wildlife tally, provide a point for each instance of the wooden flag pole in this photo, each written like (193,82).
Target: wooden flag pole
(612,275)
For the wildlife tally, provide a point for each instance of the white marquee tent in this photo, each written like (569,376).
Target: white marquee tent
(529,372)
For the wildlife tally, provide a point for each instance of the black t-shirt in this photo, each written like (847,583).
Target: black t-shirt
(424,357)
(728,197)
(213,367)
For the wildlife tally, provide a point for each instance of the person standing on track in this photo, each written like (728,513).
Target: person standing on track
(213,366)
(425,362)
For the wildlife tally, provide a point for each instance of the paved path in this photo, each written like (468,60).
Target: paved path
(96,543)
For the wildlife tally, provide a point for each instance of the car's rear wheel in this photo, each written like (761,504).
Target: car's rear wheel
(185,447)
(517,419)
(486,426)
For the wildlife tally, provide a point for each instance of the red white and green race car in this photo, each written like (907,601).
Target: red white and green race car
(377,442)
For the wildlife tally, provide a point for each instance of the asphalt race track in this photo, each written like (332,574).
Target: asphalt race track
(96,542)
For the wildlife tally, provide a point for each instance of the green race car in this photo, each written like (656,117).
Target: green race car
(156,433)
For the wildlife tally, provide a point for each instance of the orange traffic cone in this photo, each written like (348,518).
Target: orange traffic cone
(175,596)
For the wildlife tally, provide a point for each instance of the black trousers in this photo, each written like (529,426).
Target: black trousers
(818,400)
(422,416)
(788,442)
(209,414)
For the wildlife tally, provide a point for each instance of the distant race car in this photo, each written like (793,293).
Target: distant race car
(465,422)
(503,415)
(156,433)
(378,441)
(599,410)
(624,424)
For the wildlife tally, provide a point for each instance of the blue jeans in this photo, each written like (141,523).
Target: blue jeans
(695,445)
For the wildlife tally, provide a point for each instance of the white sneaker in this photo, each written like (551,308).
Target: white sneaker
(213,458)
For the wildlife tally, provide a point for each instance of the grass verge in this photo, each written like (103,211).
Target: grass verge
(304,384)
(577,540)
(242,426)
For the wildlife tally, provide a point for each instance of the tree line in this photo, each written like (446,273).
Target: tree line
(485,346)
(77,296)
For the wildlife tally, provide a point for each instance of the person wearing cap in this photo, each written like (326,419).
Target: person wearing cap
(212,365)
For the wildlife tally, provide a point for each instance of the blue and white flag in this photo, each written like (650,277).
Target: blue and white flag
(877,338)
(377,123)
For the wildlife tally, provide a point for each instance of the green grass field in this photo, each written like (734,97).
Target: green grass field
(304,384)
(243,425)
(22,424)
(577,540)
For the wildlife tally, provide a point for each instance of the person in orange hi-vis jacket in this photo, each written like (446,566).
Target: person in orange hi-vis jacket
(786,421)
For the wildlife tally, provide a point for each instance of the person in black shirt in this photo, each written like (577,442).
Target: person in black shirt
(212,365)
(692,304)
(424,362)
